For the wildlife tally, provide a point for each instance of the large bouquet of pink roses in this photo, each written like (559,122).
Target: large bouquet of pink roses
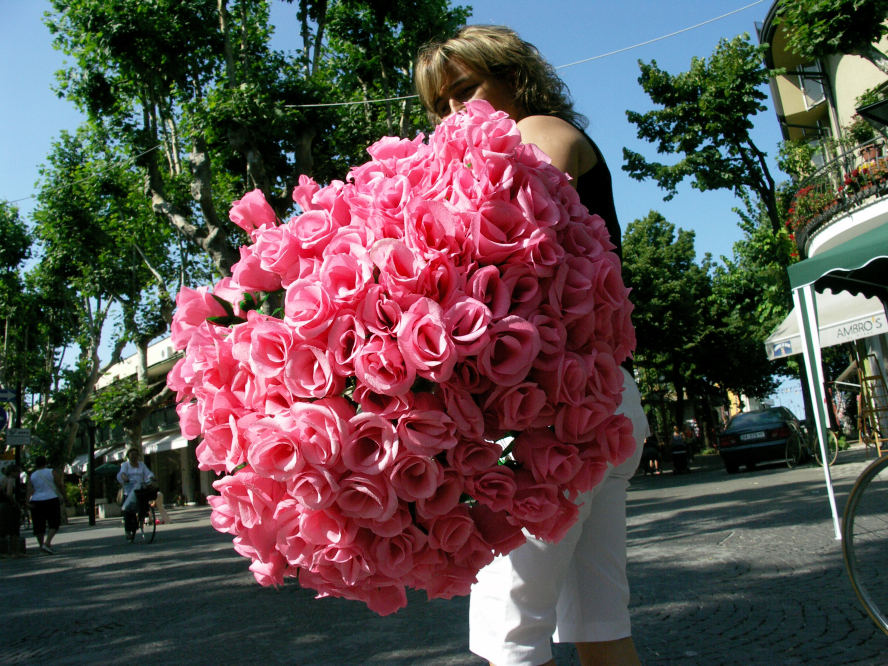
(450,295)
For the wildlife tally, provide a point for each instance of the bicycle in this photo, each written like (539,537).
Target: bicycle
(865,540)
(803,445)
(144,521)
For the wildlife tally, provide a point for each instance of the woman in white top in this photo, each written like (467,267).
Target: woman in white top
(132,475)
(43,498)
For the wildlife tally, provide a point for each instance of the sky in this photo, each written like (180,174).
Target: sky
(32,116)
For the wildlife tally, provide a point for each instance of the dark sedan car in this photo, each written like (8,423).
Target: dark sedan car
(756,437)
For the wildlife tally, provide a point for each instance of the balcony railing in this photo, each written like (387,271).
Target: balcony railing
(856,177)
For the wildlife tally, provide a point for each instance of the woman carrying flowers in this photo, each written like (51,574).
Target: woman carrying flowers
(575,589)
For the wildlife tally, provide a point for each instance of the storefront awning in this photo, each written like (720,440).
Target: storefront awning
(841,317)
(168,442)
(81,462)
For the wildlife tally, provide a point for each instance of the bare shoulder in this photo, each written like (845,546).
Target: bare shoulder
(562,142)
(548,128)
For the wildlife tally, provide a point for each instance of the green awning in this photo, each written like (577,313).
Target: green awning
(859,266)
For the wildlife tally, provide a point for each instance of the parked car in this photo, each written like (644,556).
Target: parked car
(756,437)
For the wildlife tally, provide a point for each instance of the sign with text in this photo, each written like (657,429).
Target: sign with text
(18,437)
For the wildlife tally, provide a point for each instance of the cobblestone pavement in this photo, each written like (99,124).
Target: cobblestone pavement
(725,570)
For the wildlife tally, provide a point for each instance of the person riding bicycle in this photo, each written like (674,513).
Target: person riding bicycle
(133,475)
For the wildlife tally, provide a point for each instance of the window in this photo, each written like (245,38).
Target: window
(811,83)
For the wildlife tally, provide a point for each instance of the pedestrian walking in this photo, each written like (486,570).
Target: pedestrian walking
(43,498)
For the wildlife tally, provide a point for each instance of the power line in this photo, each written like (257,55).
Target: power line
(101,171)
(651,41)
(578,62)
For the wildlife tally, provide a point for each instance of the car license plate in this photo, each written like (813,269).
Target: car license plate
(752,435)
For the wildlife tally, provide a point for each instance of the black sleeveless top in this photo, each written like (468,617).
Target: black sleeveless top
(596,194)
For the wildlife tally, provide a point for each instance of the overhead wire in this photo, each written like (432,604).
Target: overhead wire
(95,173)
(571,64)
(396,99)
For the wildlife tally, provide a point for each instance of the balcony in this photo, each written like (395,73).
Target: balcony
(842,199)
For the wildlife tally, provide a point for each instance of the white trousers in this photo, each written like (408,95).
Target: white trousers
(573,591)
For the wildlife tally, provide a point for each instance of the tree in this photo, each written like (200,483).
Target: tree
(821,28)
(100,249)
(667,288)
(707,118)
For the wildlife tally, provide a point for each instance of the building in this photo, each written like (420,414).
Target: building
(168,454)
(838,106)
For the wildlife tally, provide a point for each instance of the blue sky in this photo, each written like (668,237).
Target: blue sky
(31,116)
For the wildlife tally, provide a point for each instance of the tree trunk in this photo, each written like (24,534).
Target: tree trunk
(230,70)
(322,22)
(875,56)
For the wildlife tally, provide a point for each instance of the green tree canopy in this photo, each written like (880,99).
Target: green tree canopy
(706,119)
(820,28)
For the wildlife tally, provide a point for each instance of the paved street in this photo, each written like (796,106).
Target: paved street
(725,570)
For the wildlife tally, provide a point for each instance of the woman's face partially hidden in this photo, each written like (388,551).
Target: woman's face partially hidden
(463,85)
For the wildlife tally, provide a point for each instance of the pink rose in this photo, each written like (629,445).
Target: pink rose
(304,193)
(415,477)
(309,374)
(321,427)
(494,527)
(467,321)
(398,267)
(345,341)
(494,487)
(399,521)
(314,488)
(278,252)
(312,231)
(555,527)
(380,314)
(514,344)
(567,384)
(252,212)
(594,467)
(252,498)
(367,496)
(499,231)
(445,497)
(372,444)
(615,439)
(605,379)
(463,410)
(553,338)
(467,377)
(525,293)
(576,424)
(394,555)
(469,457)
(548,459)
(193,308)
(386,406)
(274,450)
(426,430)
(188,421)
(346,278)
(486,286)
(325,527)
(308,308)
(382,368)
(515,407)
(424,343)
(248,273)
(450,531)
(270,342)
(533,502)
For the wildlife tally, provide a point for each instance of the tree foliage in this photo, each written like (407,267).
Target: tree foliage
(821,28)
(700,327)
(706,119)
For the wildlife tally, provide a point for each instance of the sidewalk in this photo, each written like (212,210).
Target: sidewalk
(725,570)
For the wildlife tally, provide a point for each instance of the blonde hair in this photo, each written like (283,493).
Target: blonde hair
(498,51)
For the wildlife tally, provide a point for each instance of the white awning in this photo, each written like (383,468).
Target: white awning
(169,442)
(81,462)
(841,317)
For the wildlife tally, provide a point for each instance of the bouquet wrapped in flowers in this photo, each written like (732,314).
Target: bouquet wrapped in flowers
(449,295)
